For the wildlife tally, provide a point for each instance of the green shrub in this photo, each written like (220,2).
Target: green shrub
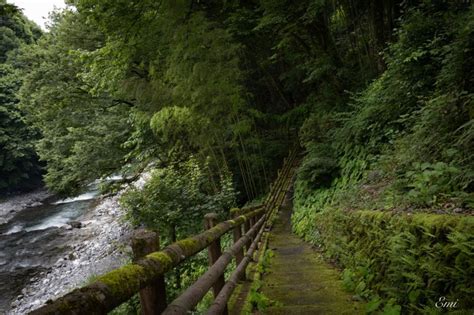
(427,184)
(414,123)
(319,167)
(176,198)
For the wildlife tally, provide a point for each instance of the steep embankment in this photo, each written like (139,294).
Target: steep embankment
(398,261)
(387,188)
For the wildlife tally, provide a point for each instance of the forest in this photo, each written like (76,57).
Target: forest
(209,96)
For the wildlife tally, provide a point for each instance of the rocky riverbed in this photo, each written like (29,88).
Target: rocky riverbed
(11,206)
(97,246)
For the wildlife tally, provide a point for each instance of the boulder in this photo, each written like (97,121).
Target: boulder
(75,224)
(35,204)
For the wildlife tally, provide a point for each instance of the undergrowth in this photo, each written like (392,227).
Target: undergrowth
(386,189)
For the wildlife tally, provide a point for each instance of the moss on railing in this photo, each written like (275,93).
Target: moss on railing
(117,286)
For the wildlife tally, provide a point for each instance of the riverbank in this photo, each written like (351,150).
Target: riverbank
(10,206)
(99,245)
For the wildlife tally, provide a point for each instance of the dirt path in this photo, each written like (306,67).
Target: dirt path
(299,280)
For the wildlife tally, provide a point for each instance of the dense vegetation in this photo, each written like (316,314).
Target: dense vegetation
(207,96)
(403,145)
(19,168)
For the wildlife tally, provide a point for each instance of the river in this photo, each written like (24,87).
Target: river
(34,239)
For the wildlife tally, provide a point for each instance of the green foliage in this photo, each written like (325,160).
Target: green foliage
(19,168)
(178,129)
(81,134)
(176,197)
(182,74)
(15,30)
(405,143)
(398,260)
(131,307)
(185,275)
(426,182)
(18,161)
(320,168)
(257,299)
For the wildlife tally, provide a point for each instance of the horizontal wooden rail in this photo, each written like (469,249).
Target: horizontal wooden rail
(114,288)
(236,211)
(220,301)
(194,294)
(185,303)
(119,285)
(251,208)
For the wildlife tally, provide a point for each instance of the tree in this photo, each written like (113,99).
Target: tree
(15,29)
(176,56)
(81,134)
(176,198)
(19,168)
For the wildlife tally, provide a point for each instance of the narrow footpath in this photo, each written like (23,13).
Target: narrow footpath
(298,280)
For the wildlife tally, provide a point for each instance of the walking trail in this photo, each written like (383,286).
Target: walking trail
(298,280)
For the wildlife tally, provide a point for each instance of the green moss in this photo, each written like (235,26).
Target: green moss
(234,211)
(188,245)
(163,258)
(298,279)
(219,230)
(409,258)
(124,281)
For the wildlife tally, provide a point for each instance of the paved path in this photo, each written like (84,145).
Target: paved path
(299,280)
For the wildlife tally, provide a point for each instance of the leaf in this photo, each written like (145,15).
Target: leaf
(392,309)
(373,305)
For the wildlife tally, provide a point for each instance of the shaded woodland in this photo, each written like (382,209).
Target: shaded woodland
(210,95)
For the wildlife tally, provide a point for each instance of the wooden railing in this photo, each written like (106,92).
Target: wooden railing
(146,273)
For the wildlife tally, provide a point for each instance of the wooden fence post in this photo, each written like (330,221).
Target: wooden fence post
(237,234)
(252,221)
(153,297)
(246,228)
(214,250)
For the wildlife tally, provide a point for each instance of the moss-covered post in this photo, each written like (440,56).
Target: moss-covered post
(246,228)
(252,221)
(153,297)
(214,250)
(237,234)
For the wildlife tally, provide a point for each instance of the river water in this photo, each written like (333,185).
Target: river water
(34,239)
